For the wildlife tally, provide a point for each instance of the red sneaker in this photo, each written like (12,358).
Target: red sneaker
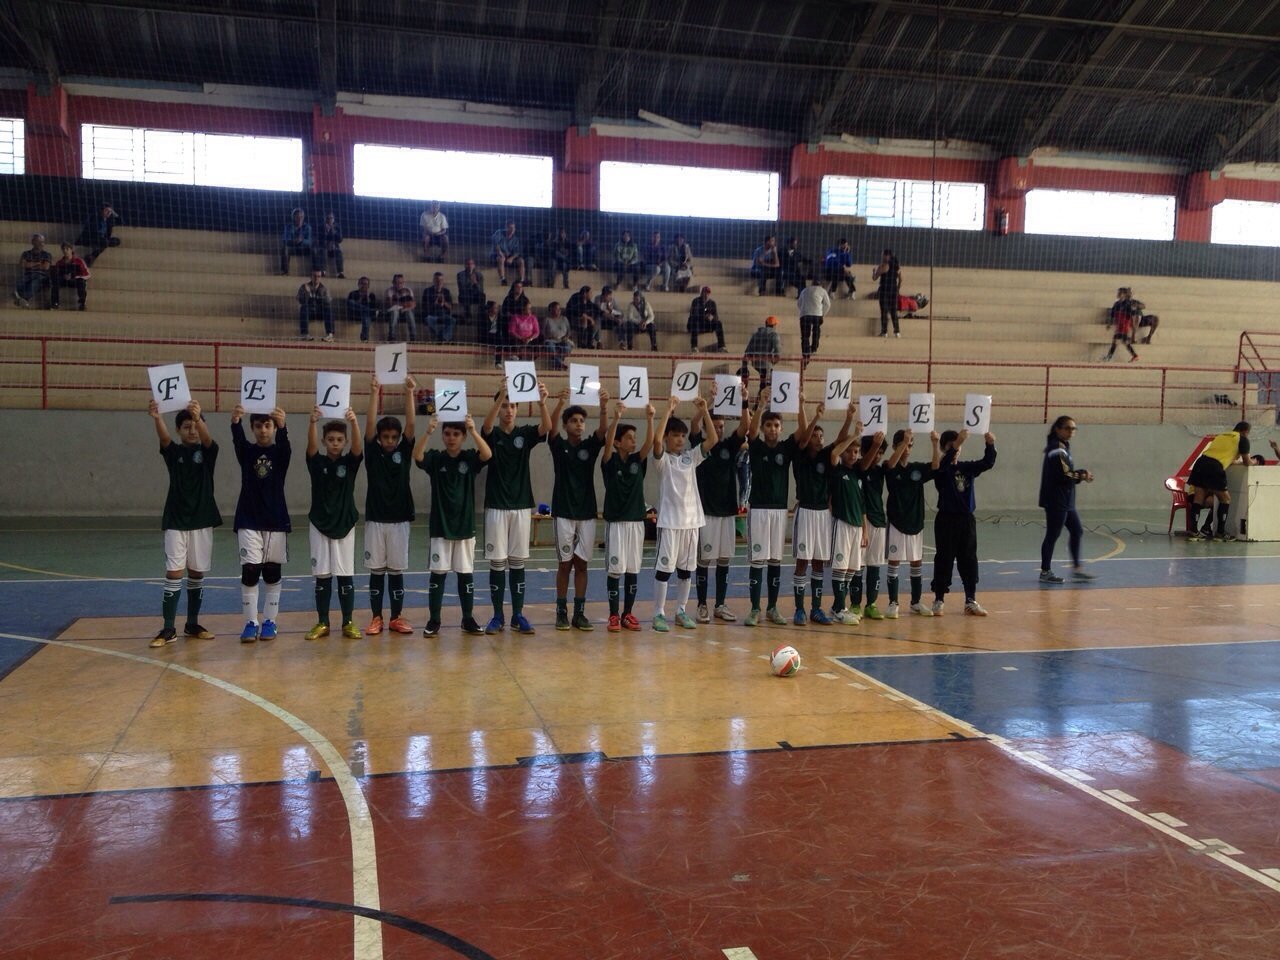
(614,623)
(400,625)
(629,622)
(374,628)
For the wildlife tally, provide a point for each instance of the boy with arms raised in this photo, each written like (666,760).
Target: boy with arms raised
(453,516)
(871,471)
(332,519)
(811,527)
(388,506)
(573,505)
(680,514)
(623,467)
(262,522)
(508,503)
(190,514)
(849,534)
(718,488)
(954,530)
(905,482)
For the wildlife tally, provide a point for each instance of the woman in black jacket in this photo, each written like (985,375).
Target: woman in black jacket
(1058,480)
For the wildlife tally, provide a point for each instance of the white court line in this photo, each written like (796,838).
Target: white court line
(1135,646)
(364,860)
(1029,757)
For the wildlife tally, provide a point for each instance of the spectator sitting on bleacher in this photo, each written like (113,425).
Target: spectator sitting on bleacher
(494,331)
(471,298)
(680,257)
(1123,318)
(96,234)
(314,304)
(639,317)
(1137,312)
(400,304)
(437,309)
(626,259)
(296,242)
(515,302)
(36,264)
(523,329)
(555,335)
(70,271)
(705,318)
(362,306)
(608,312)
(584,318)
(795,266)
(586,252)
(558,258)
(655,263)
(837,268)
(762,352)
(766,265)
(506,252)
(434,226)
(329,244)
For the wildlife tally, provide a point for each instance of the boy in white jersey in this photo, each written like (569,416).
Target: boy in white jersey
(680,514)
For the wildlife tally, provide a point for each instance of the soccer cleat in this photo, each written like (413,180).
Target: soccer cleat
(520,624)
(840,616)
(431,629)
(630,622)
(250,632)
(562,620)
(615,623)
(268,631)
(1048,576)
(1083,575)
(351,632)
(819,617)
(165,636)
(799,619)
(196,632)
(399,625)
(660,623)
(753,617)
(920,610)
(495,625)
(974,609)
(937,608)
(375,627)
(724,613)
(775,617)
(872,612)
(471,628)
(684,621)
(704,615)
(891,611)
(580,622)
(318,632)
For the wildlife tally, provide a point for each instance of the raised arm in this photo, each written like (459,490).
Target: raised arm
(611,435)
(712,437)
(805,431)
(353,428)
(744,421)
(937,450)
(873,451)
(313,444)
(202,428)
(753,428)
(544,427)
(371,420)
(162,431)
(848,422)
(899,455)
(561,399)
(420,448)
(660,448)
(646,448)
(482,448)
(844,442)
(604,414)
(410,407)
(492,416)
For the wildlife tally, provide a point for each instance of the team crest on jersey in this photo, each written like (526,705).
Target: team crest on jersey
(634,468)
(396,458)
(262,468)
(518,443)
(820,468)
(685,460)
(464,468)
(725,455)
(197,457)
(779,459)
(893,548)
(962,483)
(916,476)
(583,455)
(341,471)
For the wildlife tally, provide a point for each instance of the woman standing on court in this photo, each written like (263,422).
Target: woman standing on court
(1058,480)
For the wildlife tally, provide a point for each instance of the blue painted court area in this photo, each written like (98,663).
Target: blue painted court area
(1219,703)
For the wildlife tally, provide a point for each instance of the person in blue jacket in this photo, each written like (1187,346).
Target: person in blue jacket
(954,529)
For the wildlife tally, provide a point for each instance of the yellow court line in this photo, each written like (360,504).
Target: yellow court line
(52,573)
(1116,551)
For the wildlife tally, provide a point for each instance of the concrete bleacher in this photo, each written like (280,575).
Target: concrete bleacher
(993,328)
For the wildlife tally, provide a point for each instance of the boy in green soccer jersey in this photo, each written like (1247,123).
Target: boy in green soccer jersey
(453,516)
(624,467)
(190,514)
(718,488)
(849,533)
(871,471)
(333,516)
(573,505)
(905,482)
(811,527)
(388,506)
(508,504)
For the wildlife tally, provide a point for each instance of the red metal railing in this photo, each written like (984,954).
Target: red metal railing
(1042,389)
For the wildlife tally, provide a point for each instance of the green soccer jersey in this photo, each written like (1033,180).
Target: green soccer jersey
(189,504)
(389,498)
(624,487)
(574,495)
(333,494)
(507,487)
(906,495)
(771,473)
(453,492)
(873,494)
(846,494)
(810,471)
(718,477)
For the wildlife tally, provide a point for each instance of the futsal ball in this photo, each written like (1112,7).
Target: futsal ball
(785,661)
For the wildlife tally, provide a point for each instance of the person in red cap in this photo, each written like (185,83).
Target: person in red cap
(705,318)
(763,350)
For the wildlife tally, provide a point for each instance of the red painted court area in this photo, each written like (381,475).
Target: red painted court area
(936,849)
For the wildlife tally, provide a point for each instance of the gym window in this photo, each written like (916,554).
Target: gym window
(677,191)
(1087,213)
(201,159)
(410,173)
(905,203)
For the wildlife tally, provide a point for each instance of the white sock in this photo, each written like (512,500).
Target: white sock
(271,609)
(682,594)
(249,603)
(660,598)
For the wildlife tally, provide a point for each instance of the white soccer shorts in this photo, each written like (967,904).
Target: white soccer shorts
(624,546)
(506,534)
(386,546)
(263,546)
(811,534)
(575,537)
(330,557)
(717,540)
(846,547)
(677,549)
(188,549)
(874,555)
(766,529)
(905,547)
(453,556)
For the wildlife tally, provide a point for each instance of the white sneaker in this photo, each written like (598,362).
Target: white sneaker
(852,617)
(703,615)
(725,614)
(840,616)
(897,336)
(974,608)
(937,608)
(19,300)
(891,612)
(920,610)
(328,338)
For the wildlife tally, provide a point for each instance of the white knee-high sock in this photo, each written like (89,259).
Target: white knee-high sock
(271,608)
(660,598)
(249,603)
(682,594)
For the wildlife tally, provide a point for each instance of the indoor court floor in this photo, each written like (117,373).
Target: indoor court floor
(1092,771)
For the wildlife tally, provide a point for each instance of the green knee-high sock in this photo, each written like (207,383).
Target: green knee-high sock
(195,598)
(377,584)
(873,584)
(612,583)
(892,582)
(917,587)
(700,582)
(579,606)
(467,594)
(815,593)
(839,590)
(516,576)
(172,591)
(630,584)
(722,583)
(855,589)
(755,578)
(347,598)
(396,584)
(1223,508)
(324,596)
(497,589)
(775,583)
(797,587)
(435,596)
